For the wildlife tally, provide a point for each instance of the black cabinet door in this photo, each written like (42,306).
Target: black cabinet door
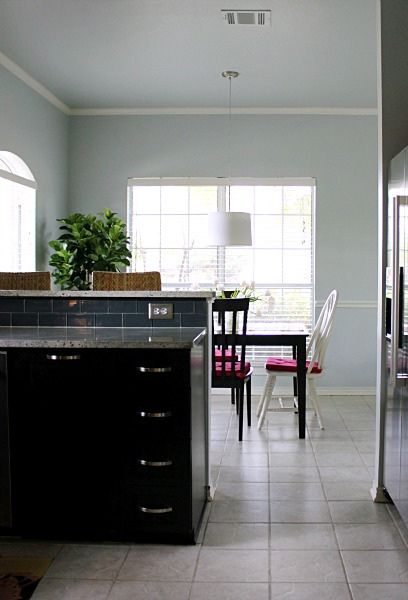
(65,444)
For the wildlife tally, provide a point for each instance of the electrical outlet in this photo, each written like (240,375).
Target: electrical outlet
(160,311)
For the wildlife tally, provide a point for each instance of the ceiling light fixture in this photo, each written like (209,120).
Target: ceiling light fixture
(229,228)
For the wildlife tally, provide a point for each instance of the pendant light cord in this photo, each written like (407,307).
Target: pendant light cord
(230,75)
(229,142)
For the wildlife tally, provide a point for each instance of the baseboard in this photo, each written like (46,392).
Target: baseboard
(323,391)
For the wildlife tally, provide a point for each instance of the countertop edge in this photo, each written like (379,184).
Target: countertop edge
(104,294)
(109,338)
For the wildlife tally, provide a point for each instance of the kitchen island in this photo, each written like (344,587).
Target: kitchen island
(104,429)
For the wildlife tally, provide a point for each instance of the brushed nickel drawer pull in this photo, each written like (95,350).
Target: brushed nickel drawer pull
(63,356)
(156,511)
(154,369)
(154,415)
(154,463)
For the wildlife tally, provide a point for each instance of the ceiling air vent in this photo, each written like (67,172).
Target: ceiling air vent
(257,18)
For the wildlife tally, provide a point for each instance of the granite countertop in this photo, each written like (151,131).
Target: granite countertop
(101,337)
(103,294)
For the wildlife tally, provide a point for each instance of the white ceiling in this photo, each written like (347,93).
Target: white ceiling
(162,54)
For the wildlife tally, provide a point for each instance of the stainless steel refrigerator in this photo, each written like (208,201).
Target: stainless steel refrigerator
(396,421)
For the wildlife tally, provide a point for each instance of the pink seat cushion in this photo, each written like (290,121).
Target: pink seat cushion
(238,373)
(287,365)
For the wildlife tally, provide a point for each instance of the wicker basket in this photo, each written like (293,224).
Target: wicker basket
(108,281)
(34,280)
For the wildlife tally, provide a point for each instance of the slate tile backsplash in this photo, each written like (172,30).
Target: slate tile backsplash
(98,312)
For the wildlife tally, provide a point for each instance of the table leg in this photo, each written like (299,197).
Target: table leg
(295,392)
(301,386)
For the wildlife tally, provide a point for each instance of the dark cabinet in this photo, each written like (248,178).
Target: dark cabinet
(107,443)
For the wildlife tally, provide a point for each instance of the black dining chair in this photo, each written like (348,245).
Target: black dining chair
(229,368)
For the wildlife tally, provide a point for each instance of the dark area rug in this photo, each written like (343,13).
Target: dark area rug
(20,575)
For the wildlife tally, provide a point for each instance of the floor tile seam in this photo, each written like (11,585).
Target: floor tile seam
(196,561)
(332,523)
(269,527)
(396,524)
(109,591)
(320,477)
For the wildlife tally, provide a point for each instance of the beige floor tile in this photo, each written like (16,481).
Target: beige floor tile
(358,511)
(294,474)
(237,474)
(72,589)
(149,590)
(339,459)
(232,565)
(230,591)
(299,512)
(380,591)
(244,491)
(376,566)
(88,562)
(310,591)
(238,536)
(353,490)
(159,563)
(341,473)
(374,536)
(306,566)
(255,459)
(240,511)
(303,491)
(302,536)
(291,459)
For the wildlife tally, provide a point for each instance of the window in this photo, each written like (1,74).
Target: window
(167,224)
(17,223)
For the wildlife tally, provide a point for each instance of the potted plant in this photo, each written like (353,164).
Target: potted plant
(88,243)
(244,291)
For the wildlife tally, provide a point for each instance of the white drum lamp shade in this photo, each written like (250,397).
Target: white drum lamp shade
(229,229)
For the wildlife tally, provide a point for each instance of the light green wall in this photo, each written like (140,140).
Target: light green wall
(339,151)
(38,132)
(82,163)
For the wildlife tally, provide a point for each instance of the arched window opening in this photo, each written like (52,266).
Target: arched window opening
(18,204)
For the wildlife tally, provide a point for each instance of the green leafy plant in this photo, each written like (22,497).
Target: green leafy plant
(89,243)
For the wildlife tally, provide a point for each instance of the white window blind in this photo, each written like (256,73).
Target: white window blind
(167,224)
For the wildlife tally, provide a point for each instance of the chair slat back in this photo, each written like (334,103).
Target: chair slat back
(319,341)
(110,281)
(32,280)
(230,317)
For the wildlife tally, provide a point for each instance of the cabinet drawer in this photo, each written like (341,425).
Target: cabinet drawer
(157,510)
(153,367)
(152,462)
(159,424)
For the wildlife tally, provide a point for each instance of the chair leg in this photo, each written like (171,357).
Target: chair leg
(315,401)
(240,403)
(248,394)
(269,385)
(232,396)
(262,398)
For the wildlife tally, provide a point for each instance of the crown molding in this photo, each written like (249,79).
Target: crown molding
(98,112)
(32,83)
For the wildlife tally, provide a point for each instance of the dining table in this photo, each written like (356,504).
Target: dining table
(286,334)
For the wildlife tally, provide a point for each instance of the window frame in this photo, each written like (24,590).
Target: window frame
(258,354)
(15,170)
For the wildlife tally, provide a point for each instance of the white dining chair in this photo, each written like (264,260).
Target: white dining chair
(316,353)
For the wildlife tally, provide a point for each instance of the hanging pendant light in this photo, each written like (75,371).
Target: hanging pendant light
(229,228)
